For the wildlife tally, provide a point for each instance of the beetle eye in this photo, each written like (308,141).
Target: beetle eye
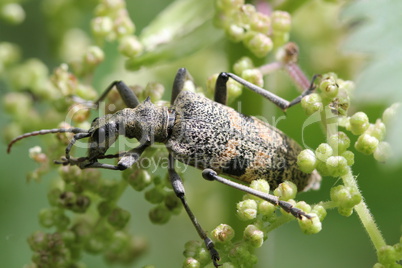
(101,135)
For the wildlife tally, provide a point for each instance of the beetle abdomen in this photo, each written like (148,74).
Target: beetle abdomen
(207,134)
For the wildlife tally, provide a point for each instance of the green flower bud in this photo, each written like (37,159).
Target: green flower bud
(389,113)
(266,209)
(105,208)
(306,160)
(191,263)
(130,46)
(345,197)
(94,56)
(38,241)
(312,103)
(359,123)
(228,5)
(329,87)
(259,44)
(223,233)
(281,21)
(94,245)
(260,23)
(310,226)
(243,64)
(322,168)
(13,13)
(254,76)
(9,54)
(191,248)
(323,152)
(387,255)
(339,142)
(102,26)
(234,90)
(46,217)
(118,218)
(159,215)
(383,152)
(123,25)
(286,190)
(173,203)
(253,236)
(337,166)
(247,209)
(118,242)
(235,33)
(260,185)
(377,130)
(319,211)
(138,179)
(303,206)
(366,144)
(349,156)
(155,195)
(108,189)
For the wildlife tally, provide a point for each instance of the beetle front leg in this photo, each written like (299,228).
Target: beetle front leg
(178,188)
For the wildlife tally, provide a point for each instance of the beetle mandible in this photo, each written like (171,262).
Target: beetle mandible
(199,132)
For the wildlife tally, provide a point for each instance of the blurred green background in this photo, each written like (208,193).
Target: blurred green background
(342,242)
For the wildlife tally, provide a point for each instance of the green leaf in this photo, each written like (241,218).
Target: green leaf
(378,35)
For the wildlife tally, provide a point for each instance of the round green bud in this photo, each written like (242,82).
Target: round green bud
(349,156)
(383,152)
(9,54)
(312,103)
(102,26)
(46,218)
(306,160)
(38,241)
(329,87)
(323,152)
(228,5)
(155,195)
(253,236)
(173,203)
(118,242)
(235,33)
(94,245)
(310,226)
(345,211)
(260,23)
(159,214)
(243,64)
(260,185)
(337,166)
(234,90)
(105,208)
(366,144)
(12,13)
(253,76)
(94,56)
(339,142)
(359,123)
(389,113)
(320,211)
(345,197)
(123,26)
(303,206)
(108,189)
(191,263)
(259,44)
(223,233)
(247,209)
(118,218)
(377,130)
(266,209)
(130,46)
(191,248)
(286,190)
(281,21)
(138,179)
(387,255)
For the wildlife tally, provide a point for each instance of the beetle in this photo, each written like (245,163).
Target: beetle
(199,132)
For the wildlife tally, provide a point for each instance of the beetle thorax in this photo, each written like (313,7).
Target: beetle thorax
(146,122)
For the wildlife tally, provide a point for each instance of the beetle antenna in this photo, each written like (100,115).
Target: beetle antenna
(44,132)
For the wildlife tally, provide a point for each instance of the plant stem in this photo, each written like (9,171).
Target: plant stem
(365,216)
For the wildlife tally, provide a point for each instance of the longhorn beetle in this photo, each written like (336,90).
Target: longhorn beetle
(199,132)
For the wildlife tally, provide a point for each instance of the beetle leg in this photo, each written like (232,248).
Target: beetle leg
(178,188)
(211,175)
(221,91)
